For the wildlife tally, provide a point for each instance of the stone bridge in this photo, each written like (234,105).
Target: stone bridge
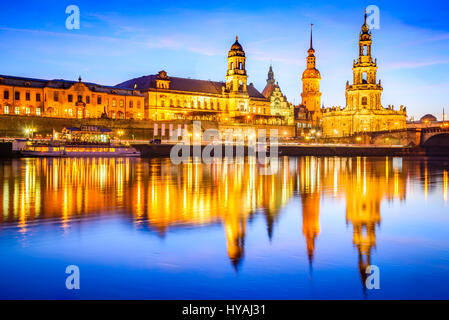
(424,137)
(438,136)
(434,139)
(395,137)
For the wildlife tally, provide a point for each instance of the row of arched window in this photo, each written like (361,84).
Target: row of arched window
(191,104)
(122,103)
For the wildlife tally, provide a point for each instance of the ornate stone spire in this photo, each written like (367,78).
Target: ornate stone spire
(311,95)
(311,34)
(270,78)
(311,51)
(365,27)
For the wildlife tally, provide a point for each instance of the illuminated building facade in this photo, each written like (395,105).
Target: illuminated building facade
(311,95)
(364,111)
(279,105)
(171,98)
(68,99)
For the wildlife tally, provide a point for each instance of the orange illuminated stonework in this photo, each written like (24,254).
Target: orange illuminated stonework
(68,99)
(230,101)
(364,111)
(311,95)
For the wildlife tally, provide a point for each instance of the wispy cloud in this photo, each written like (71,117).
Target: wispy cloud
(413,64)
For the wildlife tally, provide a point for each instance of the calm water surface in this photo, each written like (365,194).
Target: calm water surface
(141,228)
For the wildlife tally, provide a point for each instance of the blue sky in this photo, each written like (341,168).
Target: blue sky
(119,40)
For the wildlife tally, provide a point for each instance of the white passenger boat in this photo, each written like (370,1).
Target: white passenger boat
(86,141)
(39,150)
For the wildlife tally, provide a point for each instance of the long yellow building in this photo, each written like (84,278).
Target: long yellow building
(364,111)
(153,97)
(170,98)
(68,99)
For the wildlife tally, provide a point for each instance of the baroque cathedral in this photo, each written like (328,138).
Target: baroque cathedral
(364,111)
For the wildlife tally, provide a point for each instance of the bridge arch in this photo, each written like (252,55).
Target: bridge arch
(437,144)
(437,140)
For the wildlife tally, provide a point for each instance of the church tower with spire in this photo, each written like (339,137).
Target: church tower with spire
(236,76)
(364,111)
(279,105)
(365,92)
(311,95)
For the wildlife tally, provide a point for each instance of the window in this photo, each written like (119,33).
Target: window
(27,96)
(70,112)
(130,104)
(27,110)
(98,100)
(121,104)
(6,94)
(70,97)
(138,104)
(87,99)
(38,111)
(80,98)
(364,77)
(232,65)
(114,103)
(240,66)
(364,101)
(17,110)
(55,96)
(162,103)
(38,97)
(6,110)
(17,95)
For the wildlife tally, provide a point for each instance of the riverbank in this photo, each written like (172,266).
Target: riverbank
(352,151)
(163,150)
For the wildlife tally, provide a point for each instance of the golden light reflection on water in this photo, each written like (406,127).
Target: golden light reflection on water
(445,186)
(162,196)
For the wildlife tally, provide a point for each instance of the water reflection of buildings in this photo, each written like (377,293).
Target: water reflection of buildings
(309,189)
(363,183)
(366,188)
(161,196)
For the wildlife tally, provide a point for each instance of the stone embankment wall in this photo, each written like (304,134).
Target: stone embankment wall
(15,126)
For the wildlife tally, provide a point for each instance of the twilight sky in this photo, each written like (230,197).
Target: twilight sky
(120,40)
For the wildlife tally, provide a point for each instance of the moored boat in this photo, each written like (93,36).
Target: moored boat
(87,141)
(100,150)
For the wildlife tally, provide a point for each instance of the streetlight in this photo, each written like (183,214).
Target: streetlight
(29,132)
(120,133)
